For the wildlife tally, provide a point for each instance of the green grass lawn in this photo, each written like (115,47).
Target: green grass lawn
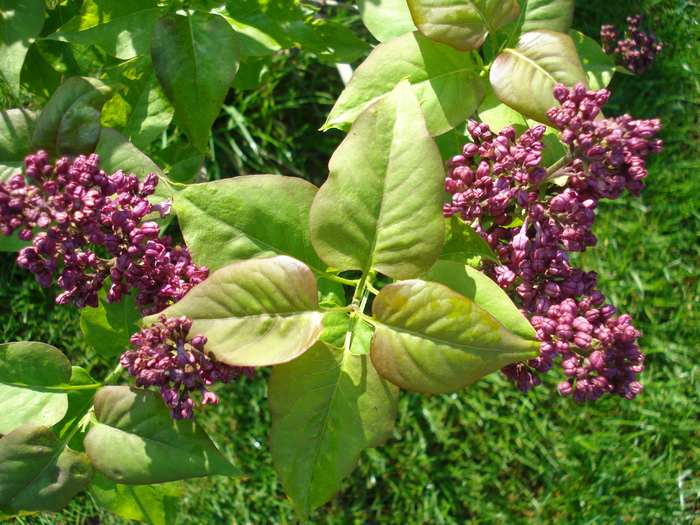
(487,454)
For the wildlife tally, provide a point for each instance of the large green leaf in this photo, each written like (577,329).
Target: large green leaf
(122,29)
(20,23)
(327,406)
(461,24)
(38,76)
(342,43)
(282,20)
(428,338)
(39,473)
(444,80)
(246,217)
(598,66)
(140,110)
(553,15)
(381,207)
(69,124)
(524,78)
(16,130)
(108,327)
(31,377)
(463,244)
(155,504)
(473,284)
(386,19)
(195,58)
(136,442)
(257,312)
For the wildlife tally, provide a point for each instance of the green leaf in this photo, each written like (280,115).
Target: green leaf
(463,244)
(253,73)
(182,162)
(444,80)
(246,217)
(461,24)
(140,110)
(69,124)
(473,284)
(254,42)
(342,43)
(553,15)
(428,338)
(327,406)
(108,327)
(31,375)
(20,23)
(122,29)
(16,130)
(381,207)
(386,19)
(541,60)
(257,312)
(195,59)
(154,504)
(282,20)
(361,338)
(38,77)
(79,404)
(39,473)
(136,442)
(598,66)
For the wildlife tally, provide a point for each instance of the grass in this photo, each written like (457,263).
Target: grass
(487,454)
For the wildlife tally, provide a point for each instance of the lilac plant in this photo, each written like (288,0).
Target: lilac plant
(352,291)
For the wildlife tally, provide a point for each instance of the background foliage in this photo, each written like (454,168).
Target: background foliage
(487,454)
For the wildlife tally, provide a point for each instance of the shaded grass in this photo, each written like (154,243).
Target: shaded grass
(489,454)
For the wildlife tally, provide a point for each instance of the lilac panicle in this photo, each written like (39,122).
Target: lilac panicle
(92,227)
(637,51)
(166,358)
(498,186)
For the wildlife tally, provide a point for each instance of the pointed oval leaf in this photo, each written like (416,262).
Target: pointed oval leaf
(109,327)
(473,284)
(69,124)
(445,81)
(28,371)
(386,19)
(122,29)
(155,504)
(598,66)
(463,244)
(20,23)
(431,339)
(257,312)
(140,111)
(246,217)
(136,442)
(39,473)
(327,407)
(524,78)
(195,58)
(552,15)
(461,24)
(381,205)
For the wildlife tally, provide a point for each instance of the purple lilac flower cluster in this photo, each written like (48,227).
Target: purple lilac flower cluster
(499,187)
(165,358)
(79,208)
(637,51)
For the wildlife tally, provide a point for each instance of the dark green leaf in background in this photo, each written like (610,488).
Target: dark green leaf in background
(121,28)
(484,292)
(327,406)
(31,375)
(108,327)
(342,43)
(195,58)
(598,66)
(428,338)
(69,124)
(245,217)
(444,80)
(386,19)
(136,442)
(553,15)
(381,207)
(155,504)
(38,77)
(256,312)
(20,23)
(139,110)
(461,24)
(254,42)
(39,473)
(524,78)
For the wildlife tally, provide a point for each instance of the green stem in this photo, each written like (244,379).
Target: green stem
(335,278)
(359,300)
